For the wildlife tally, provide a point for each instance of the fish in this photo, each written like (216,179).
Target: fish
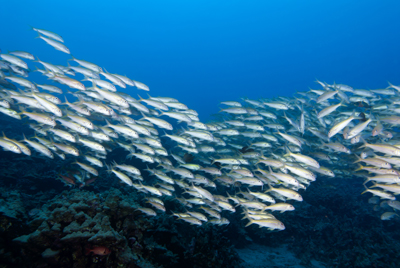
(22,54)
(49,34)
(287,193)
(39,147)
(112,97)
(159,122)
(202,166)
(88,65)
(57,45)
(100,250)
(271,224)
(388,216)
(14,60)
(340,125)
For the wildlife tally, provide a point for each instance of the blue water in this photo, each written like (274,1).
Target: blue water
(204,52)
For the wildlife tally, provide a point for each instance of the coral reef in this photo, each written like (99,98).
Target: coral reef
(85,229)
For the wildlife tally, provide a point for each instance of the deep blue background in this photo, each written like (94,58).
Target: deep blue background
(204,52)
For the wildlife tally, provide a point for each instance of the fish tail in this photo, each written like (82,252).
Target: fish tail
(287,151)
(364,143)
(374,185)
(366,190)
(114,164)
(270,188)
(35,137)
(81,100)
(270,170)
(250,222)
(22,111)
(109,168)
(86,79)
(246,216)
(358,159)
(360,168)
(94,85)
(143,114)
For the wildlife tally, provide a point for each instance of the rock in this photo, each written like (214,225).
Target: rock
(22,239)
(77,236)
(48,253)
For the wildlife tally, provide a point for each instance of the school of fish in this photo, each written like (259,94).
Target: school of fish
(255,159)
